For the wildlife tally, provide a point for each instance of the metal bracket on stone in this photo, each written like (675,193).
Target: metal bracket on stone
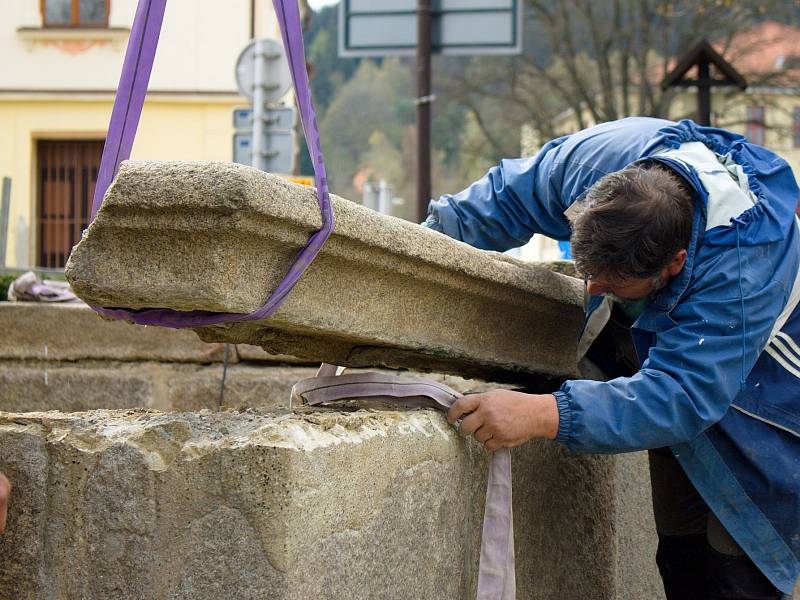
(382,292)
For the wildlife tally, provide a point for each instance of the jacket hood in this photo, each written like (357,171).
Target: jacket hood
(769,176)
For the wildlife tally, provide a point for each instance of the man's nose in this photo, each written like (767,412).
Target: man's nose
(596,289)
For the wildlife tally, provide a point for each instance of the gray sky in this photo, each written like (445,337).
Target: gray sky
(317,4)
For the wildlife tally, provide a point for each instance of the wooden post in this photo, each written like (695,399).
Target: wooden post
(702,56)
(424,8)
(704,92)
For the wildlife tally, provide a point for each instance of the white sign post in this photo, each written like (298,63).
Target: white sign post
(259,81)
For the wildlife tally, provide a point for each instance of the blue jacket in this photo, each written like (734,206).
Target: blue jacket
(719,347)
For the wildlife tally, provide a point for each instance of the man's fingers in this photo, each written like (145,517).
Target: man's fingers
(483,434)
(462,406)
(470,424)
(492,445)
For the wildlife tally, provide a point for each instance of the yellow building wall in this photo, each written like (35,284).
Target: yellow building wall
(199,43)
(729,111)
(59,83)
(171,128)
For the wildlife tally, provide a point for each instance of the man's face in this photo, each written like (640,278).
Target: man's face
(630,288)
(635,288)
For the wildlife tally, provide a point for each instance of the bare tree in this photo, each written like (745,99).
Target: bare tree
(599,61)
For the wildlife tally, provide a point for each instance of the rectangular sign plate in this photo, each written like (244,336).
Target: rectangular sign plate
(274,118)
(465,27)
(278,148)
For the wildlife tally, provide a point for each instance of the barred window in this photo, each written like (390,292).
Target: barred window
(75,13)
(67,176)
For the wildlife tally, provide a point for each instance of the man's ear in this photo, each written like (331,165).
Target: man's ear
(675,266)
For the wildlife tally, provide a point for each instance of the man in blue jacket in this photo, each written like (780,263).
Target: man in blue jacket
(687,238)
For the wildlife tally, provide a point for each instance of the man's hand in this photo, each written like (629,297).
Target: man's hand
(5,492)
(504,419)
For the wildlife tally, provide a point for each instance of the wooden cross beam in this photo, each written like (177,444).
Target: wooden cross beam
(703,56)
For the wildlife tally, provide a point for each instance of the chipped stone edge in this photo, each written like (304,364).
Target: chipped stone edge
(97,431)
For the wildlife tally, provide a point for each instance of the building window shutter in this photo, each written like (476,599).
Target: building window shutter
(796,127)
(756,125)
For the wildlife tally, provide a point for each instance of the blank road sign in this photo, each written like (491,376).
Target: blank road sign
(389,31)
(459,27)
(274,118)
(278,148)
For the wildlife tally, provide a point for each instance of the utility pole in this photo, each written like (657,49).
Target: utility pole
(423,102)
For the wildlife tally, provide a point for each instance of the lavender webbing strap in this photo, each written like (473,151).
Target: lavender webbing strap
(131,92)
(496,573)
(125,116)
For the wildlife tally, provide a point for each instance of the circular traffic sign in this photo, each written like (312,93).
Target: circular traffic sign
(277,78)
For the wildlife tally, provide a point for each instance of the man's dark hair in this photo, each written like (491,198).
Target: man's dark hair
(632,222)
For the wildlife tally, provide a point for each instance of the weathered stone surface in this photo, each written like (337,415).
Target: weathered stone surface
(245,387)
(256,354)
(592,515)
(219,237)
(71,332)
(565,267)
(163,386)
(635,541)
(72,387)
(114,505)
(135,504)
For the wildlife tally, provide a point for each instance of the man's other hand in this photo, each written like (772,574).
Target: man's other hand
(5,492)
(504,419)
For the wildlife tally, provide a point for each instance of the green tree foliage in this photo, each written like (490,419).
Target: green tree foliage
(589,60)
(367,119)
(329,72)
(375,99)
(597,61)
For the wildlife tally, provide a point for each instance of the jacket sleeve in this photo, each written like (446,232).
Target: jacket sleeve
(524,196)
(696,367)
(514,200)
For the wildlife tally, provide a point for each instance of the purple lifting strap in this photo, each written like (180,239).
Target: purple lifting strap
(125,116)
(496,572)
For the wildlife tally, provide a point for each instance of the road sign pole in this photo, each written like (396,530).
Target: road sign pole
(259,82)
(423,101)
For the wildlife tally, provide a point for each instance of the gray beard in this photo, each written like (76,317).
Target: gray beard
(658,282)
(617,299)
